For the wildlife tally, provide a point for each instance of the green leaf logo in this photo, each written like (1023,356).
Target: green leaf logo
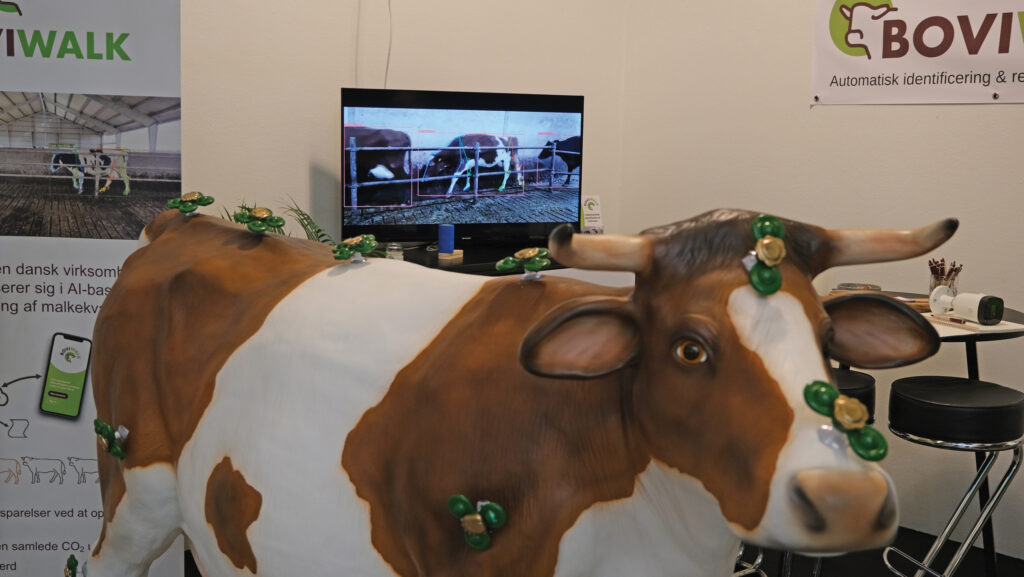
(70,354)
(10,7)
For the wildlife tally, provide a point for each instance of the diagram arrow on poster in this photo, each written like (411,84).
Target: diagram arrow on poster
(4,399)
(9,382)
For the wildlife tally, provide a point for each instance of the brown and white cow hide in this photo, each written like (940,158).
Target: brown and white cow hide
(292,414)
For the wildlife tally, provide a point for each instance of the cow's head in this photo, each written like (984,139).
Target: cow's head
(546,152)
(719,369)
(444,162)
(865,30)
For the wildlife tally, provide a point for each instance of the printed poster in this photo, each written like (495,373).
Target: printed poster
(918,51)
(90,150)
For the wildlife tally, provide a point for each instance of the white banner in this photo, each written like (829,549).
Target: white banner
(95,47)
(64,63)
(918,51)
(50,504)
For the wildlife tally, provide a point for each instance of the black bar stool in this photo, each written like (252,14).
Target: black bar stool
(963,415)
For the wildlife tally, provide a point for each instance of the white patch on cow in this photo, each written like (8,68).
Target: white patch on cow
(777,329)
(671,525)
(144,524)
(286,400)
(381,172)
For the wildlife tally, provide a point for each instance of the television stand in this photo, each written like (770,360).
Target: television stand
(475,260)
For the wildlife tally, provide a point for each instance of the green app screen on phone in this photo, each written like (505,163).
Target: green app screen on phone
(65,375)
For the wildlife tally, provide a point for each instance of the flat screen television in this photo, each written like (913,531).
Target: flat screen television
(504,169)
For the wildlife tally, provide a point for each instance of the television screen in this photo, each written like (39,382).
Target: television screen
(502,168)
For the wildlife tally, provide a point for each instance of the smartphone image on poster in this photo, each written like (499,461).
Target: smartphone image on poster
(65,375)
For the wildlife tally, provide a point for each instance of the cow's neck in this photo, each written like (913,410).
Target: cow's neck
(670,525)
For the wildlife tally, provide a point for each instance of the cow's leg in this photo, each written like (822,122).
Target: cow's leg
(140,525)
(469,174)
(455,178)
(504,180)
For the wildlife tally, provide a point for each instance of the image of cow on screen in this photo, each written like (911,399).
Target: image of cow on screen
(432,166)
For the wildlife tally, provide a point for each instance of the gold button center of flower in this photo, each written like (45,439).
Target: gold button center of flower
(850,413)
(771,250)
(474,524)
(191,196)
(260,212)
(526,253)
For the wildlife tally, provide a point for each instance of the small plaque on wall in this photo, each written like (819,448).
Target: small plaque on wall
(591,222)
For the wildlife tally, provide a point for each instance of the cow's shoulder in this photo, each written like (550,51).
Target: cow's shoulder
(464,417)
(180,307)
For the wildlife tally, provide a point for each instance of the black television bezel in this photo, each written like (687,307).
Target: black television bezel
(467,235)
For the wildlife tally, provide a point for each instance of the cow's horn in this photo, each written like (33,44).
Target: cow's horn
(600,251)
(871,245)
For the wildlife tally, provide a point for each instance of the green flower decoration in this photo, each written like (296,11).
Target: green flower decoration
(849,416)
(361,244)
(762,262)
(71,567)
(477,522)
(112,441)
(259,219)
(190,201)
(531,259)
(767,225)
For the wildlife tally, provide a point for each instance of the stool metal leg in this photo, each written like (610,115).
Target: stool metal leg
(988,536)
(954,564)
(752,567)
(785,563)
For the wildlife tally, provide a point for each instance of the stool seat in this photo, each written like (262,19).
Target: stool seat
(860,386)
(956,410)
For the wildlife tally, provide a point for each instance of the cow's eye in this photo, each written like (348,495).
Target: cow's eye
(691,352)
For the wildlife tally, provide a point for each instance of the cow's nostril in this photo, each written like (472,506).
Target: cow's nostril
(888,514)
(806,511)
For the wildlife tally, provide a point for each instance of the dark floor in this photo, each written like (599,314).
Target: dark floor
(870,564)
(863,564)
(51,207)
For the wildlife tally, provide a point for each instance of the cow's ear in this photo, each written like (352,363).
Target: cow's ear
(582,338)
(873,331)
(846,11)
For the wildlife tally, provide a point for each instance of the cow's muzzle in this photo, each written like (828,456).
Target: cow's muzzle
(844,510)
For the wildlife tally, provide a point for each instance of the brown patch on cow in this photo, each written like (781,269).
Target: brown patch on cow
(231,506)
(180,307)
(544,449)
(723,422)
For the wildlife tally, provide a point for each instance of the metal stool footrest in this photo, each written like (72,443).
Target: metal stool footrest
(972,536)
(749,567)
(885,557)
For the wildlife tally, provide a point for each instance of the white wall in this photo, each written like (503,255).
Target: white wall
(689,106)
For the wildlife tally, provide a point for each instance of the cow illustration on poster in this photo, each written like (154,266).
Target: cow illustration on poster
(268,410)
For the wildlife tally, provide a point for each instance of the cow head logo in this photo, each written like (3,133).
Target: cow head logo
(856,25)
(10,7)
